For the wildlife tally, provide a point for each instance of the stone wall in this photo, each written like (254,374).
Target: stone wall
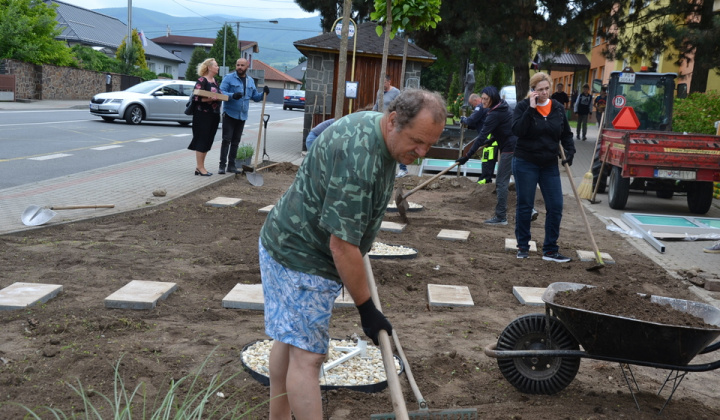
(52,82)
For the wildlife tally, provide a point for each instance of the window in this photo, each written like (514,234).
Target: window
(598,32)
(172,90)
(168,69)
(151,67)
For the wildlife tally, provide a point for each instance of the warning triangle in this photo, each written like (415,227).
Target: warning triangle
(626,119)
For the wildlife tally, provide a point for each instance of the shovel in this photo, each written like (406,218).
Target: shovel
(36,215)
(598,258)
(255,178)
(249,169)
(400,196)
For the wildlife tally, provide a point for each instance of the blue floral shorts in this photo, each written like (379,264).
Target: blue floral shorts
(298,305)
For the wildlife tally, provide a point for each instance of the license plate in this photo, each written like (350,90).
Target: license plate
(675,174)
(94,107)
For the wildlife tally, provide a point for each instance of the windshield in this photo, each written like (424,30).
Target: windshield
(144,87)
(650,96)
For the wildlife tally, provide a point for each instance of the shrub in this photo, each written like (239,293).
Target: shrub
(244,152)
(697,113)
(165,75)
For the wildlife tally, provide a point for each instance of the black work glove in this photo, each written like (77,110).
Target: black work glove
(237,95)
(373,320)
(568,159)
(463,160)
(266,90)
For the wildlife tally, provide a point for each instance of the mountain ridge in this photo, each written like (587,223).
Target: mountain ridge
(274,40)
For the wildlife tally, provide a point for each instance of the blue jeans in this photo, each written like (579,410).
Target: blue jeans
(503,181)
(403,167)
(527,177)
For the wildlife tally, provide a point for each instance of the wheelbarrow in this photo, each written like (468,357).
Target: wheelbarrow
(539,353)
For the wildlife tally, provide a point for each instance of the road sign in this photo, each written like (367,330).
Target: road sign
(618,101)
(338,30)
(626,119)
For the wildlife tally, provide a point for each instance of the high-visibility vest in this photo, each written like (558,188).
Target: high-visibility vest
(489,152)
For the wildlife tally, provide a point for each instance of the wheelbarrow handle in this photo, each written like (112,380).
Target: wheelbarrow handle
(93,206)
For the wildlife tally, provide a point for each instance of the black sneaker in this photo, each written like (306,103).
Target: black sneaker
(534,215)
(221,170)
(555,256)
(523,253)
(496,221)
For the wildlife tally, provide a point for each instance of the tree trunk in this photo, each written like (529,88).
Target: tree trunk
(522,77)
(402,72)
(386,49)
(342,61)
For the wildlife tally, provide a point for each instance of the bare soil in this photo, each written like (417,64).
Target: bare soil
(620,301)
(208,250)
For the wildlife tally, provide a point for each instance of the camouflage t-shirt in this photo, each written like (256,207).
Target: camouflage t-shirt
(342,188)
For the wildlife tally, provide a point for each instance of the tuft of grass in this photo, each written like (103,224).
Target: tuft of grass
(197,402)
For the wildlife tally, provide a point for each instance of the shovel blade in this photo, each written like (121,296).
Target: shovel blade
(402,205)
(255,179)
(36,216)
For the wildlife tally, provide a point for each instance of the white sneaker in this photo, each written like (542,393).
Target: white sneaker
(715,249)
(534,215)
(401,173)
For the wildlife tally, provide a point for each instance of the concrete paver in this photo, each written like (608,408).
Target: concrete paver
(21,295)
(448,295)
(140,294)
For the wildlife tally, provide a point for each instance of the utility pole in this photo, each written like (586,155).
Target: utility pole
(128,42)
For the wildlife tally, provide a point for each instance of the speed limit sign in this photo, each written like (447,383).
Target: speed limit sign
(619,101)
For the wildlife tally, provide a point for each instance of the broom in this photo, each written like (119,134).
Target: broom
(585,190)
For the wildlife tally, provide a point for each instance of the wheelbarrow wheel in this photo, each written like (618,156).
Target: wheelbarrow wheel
(538,375)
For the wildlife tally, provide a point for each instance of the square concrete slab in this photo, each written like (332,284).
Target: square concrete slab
(266,209)
(446,295)
(223,202)
(590,256)
(22,295)
(454,235)
(245,296)
(140,294)
(392,227)
(529,295)
(511,245)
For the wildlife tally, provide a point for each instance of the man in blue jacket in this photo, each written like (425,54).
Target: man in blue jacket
(240,88)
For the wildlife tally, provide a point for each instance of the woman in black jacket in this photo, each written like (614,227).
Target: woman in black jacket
(498,122)
(541,126)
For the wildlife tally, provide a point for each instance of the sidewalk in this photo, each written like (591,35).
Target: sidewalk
(129,186)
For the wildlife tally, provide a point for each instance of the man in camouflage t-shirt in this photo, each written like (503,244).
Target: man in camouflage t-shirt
(314,239)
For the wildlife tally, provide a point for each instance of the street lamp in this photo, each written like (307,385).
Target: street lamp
(238,22)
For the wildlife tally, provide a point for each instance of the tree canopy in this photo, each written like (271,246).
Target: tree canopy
(690,27)
(198,56)
(27,33)
(330,10)
(231,54)
(137,52)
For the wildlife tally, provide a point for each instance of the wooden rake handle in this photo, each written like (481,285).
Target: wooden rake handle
(434,177)
(393,380)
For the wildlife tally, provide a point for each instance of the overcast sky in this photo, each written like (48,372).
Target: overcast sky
(259,9)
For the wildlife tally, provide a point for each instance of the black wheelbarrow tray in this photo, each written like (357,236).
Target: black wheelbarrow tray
(539,353)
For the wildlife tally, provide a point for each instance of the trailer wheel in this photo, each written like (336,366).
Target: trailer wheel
(538,375)
(699,197)
(618,190)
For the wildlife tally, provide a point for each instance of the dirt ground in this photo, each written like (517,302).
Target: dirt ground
(207,251)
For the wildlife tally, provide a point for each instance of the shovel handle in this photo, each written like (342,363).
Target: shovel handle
(93,206)
(266,167)
(434,177)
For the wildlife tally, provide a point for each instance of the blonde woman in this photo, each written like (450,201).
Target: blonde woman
(206,115)
(541,127)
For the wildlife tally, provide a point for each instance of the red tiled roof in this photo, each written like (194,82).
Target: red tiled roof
(273,74)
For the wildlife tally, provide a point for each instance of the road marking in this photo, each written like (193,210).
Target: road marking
(43,123)
(149,140)
(181,135)
(105,147)
(55,156)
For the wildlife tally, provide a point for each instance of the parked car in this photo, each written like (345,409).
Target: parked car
(154,100)
(293,99)
(508,93)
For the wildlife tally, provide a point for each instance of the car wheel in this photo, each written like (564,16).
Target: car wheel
(134,115)
(284,108)
(619,189)
(699,197)
(184,123)
(108,119)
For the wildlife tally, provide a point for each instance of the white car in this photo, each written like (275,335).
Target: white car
(508,93)
(154,100)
